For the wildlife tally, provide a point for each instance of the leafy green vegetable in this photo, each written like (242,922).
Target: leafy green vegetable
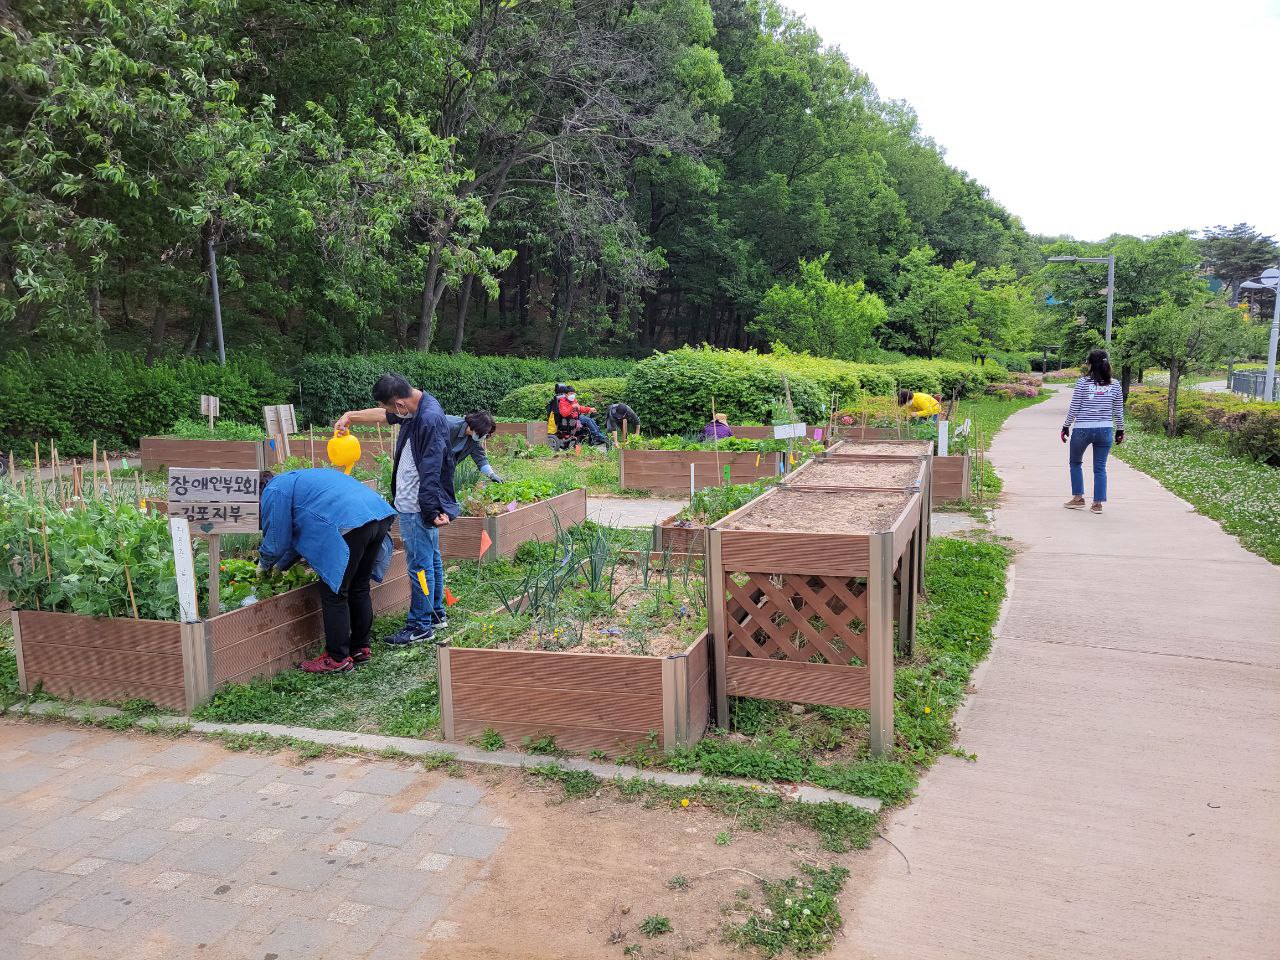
(222,430)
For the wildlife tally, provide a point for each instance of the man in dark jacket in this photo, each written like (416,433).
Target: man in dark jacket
(421,492)
(616,415)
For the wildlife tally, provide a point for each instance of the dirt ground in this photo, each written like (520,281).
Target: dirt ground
(577,877)
(807,511)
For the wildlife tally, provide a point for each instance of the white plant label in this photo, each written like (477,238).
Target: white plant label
(184,567)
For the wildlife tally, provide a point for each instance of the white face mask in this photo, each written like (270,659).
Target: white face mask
(572,397)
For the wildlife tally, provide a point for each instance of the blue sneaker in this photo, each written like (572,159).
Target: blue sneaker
(409,636)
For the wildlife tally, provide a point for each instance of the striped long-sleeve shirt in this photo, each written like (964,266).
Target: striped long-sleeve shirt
(1096,405)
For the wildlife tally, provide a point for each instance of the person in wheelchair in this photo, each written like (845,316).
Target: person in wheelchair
(571,421)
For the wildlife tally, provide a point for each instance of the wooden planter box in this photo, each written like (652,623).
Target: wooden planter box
(533,431)
(160,452)
(951,478)
(863,433)
(678,541)
(667,471)
(587,701)
(813,596)
(757,432)
(462,539)
(814,475)
(884,448)
(177,665)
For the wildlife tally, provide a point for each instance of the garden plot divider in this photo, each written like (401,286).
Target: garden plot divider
(177,665)
(809,617)
(533,431)
(160,452)
(952,476)
(667,471)
(756,432)
(488,538)
(587,701)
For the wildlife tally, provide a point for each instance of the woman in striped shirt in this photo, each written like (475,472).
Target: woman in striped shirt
(1097,410)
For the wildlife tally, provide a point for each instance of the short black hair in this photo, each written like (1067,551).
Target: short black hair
(391,386)
(481,421)
(904,396)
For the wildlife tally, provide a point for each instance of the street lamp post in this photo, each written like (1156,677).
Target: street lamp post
(1110,261)
(1270,280)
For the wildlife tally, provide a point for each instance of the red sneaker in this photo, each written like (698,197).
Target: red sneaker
(361,655)
(326,664)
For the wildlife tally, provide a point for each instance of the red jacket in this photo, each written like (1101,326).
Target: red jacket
(571,409)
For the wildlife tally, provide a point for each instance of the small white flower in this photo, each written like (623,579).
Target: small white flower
(787,924)
(788,902)
(805,911)
(768,912)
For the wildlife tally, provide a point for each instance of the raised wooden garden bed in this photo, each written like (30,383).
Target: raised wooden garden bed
(803,601)
(177,665)
(464,538)
(667,471)
(587,701)
(870,475)
(679,541)
(839,432)
(951,477)
(160,452)
(880,448)
(757,432)
(533,431)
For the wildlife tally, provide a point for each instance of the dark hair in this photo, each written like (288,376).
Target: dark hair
(481,421)
(391,386)
(904,396)
(1099,365)
(561,388)
(264,477)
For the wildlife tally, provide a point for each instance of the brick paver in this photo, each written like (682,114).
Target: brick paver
(117,846)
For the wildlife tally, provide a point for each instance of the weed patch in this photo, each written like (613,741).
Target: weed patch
(800,914)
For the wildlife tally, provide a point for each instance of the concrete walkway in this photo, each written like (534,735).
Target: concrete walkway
(1125,802)
(632,512)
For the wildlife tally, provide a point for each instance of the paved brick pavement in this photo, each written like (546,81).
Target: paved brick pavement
(137,847)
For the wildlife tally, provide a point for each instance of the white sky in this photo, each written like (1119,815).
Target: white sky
(1016,91)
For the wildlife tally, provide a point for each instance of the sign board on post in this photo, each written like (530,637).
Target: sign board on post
(787,431)
(280,422)
(209,408)
(215,501)
(184,569)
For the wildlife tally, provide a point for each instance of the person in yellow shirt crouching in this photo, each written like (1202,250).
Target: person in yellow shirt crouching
(919,406)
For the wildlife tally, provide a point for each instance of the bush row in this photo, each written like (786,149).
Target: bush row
(530,402)
(115,398)
(1247,428)
(677,388)
(329,385)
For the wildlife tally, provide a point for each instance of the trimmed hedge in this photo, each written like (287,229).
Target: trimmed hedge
(330,385)
(530,403)
(116,399)
(1248,428)
(674,392)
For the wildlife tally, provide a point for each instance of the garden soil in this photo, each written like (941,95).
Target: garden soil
(865,474)
(886,448)
(807,511)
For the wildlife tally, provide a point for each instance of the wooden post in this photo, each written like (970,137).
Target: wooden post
(491,528)
(128,582)
(907,596)
(215,564)
(444,678)
(717,614)
(16,620)
(197,663)
(880,642)
(670,720)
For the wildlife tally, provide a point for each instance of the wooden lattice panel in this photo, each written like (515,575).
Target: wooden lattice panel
(797,617)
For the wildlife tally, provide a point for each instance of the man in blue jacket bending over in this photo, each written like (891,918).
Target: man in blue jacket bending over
(421,492)
(340,527)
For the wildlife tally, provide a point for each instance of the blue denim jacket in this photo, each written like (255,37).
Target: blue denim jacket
(303,515)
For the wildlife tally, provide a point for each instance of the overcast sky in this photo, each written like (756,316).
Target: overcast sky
(1087,117)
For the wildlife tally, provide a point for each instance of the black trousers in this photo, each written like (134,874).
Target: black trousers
(348,613)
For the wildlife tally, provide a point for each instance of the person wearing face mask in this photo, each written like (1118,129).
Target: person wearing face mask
(421,492)
(466,439)
(572,411)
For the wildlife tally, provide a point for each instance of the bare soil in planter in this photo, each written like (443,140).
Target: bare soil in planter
(670,633)
(806,511)
(870,474)
(884,448)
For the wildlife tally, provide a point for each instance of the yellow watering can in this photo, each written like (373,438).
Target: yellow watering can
(343,450)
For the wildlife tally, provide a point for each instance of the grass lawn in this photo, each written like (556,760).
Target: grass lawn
(1241,494)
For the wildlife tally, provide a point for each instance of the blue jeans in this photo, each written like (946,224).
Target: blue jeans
(422,552)
(1100,438)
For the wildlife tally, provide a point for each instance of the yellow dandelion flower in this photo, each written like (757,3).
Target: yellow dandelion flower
(684,802)
(928,709)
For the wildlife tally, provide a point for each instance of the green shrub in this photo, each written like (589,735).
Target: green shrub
(116,399)
(674,392)
(837,377)
(1248,428)
(329,385)
(530,402)
(186,429)
(877,381)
